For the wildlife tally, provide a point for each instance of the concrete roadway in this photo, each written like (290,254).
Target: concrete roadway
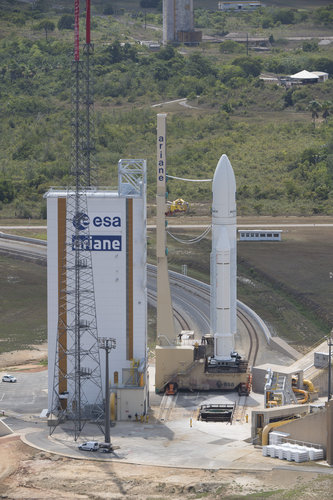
(173,443)
(161,441)
(28,396)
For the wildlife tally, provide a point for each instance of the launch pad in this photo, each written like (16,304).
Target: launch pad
(185,369)
(212,364)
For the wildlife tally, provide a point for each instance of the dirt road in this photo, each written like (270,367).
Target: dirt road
(28,474)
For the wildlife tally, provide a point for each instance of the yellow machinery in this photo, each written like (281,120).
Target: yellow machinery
(177,206)
(282,389)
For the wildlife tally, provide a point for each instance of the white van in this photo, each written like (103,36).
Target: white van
(89,446)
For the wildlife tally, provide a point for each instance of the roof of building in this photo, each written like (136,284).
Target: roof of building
(305,75)
(260,230)
(320,73)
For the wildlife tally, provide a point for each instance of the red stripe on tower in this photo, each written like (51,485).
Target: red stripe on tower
(76,30)
(87,22)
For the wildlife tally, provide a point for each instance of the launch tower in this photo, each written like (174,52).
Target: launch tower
(178,22)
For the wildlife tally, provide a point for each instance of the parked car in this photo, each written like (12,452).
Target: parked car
(89,446)
(9,378)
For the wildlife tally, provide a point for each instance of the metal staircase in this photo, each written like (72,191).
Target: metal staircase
(278,389)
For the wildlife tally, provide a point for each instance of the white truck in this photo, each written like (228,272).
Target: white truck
(89,446)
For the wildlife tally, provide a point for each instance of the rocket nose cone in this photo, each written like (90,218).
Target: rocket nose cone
(224,189)
(224,172)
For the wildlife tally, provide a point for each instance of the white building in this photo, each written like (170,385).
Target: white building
(259,234)
(322,75)
(117,246)
(238,6)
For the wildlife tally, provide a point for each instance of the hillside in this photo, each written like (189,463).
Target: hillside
(279,141)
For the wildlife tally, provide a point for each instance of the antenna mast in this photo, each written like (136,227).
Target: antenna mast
(77,385)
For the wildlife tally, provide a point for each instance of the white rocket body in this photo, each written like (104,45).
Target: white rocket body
(223,264)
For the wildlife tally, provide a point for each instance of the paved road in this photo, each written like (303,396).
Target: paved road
(199,226)
(27,396)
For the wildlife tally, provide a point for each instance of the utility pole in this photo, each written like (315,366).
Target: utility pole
(330,344)
(107,344)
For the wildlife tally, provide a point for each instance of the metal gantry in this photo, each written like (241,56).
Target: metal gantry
(77,387)
(132,177)
(88,129)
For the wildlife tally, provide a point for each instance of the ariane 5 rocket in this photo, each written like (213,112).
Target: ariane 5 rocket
(223,263)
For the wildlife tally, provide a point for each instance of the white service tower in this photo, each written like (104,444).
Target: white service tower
(117,245)
(223,265)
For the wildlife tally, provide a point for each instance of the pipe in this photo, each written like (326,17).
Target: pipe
(309,385)
(305,393)
(268,427)
(113,407)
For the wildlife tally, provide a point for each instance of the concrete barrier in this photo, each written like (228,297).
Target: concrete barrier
(14,237)
(5,430)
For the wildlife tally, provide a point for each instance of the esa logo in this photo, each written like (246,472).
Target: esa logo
(81,221)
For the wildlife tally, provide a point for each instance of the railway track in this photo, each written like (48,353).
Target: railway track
(202,291)
(253,337)
(177,313)
(168,403)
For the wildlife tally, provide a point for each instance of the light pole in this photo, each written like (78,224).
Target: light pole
(329,343)
(107,344)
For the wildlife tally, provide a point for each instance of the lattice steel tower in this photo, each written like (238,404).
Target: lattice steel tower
(77,384)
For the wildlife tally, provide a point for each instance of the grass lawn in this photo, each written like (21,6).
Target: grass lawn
(23,304)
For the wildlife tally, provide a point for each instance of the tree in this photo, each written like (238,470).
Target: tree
(314,107)
(66,22)
(310,46)
(47,26)
(6,191)
(229,47)
(327,107)
(284,16)
(250,66)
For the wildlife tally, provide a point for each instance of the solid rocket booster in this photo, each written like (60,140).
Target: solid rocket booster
(223,265)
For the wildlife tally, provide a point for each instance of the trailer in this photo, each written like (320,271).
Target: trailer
(217,412)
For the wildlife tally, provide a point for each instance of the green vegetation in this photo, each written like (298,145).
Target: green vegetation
(279,141)
(23,304)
